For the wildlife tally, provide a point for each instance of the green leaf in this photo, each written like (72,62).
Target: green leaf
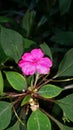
(3,57)
(28,21)
(1,84)
(5,114)
(49,91)
(63,38)
(66,105)
(38,121)
(64,6)
(30,80)
(42,21)
(66,128)
(28,44)
(12,43)
(4,19)
(16,80)
(25,100)
(66,65)
(46,50)
(60,125)
(63,127)
(14,127)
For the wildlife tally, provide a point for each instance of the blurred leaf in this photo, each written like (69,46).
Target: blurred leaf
(1,84)
(14,127)
(63,38)
(53,11)
(12,43)
(4,19)
(16,80)
(56,110)
(46,50)
(64,6)
(66,65)
(66,105)
(49,91)
(42,21)
(33,4)
(28,21)
(3,57)
(38,121)
(5,114)
(25,100)
(28,44)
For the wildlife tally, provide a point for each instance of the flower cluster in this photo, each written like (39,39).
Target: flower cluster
(35,61)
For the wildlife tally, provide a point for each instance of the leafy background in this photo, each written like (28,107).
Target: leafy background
(26,24)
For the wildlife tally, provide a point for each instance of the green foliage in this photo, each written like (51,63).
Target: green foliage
(46,50)
(64,6)
(38,121)
(42,21)
(4,19)
(66,65)
(1,84)
(25,100)
(28,44)
(14,127)
(67,105)
(63,38)
(28,21)
(5,114)
(49,91)
(12,43)
(3,57)
(61,126)
(16,80)
(32,102)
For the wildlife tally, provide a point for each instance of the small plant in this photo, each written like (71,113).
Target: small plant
(27,84)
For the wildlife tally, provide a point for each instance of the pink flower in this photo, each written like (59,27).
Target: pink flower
(35,62)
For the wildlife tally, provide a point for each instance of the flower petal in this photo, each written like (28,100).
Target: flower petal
(37,53)
(27,57)
(41,69)
(45,62)
(43,66)
(28,68)
(21,63)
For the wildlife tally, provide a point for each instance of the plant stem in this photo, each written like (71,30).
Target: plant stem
(68,87)
(14,95)
(63,80)
(43,79)
(36,79)
(53,80)
(17,116)
(45,99)
(47,81)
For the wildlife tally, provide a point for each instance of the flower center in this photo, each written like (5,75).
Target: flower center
(35,61)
